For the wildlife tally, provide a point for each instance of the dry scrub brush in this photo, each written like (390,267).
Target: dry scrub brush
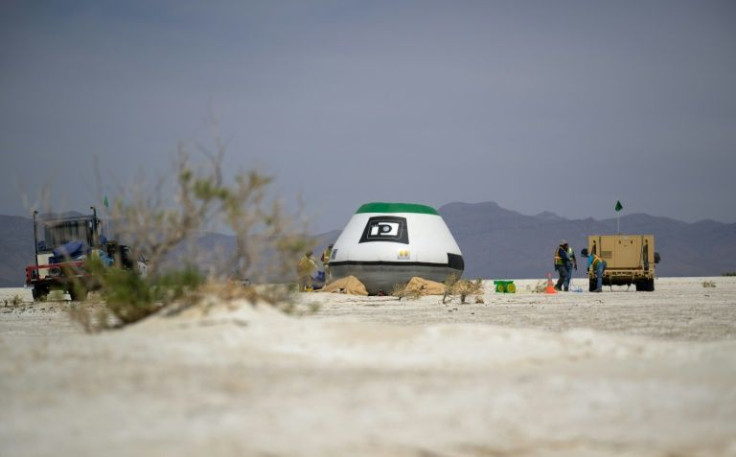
(463,288)
(401,290)
(157,228)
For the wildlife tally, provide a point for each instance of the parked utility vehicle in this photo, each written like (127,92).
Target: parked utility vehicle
(630,259)
(62,247)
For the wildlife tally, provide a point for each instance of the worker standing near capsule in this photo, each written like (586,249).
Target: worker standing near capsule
(326,255)
(305,271)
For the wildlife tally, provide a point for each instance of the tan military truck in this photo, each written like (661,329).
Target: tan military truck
(630,259)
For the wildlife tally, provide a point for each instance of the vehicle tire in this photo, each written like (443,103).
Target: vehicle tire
(39,293)
(78,292)
(645,285)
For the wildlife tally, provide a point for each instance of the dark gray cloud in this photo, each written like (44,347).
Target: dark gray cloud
(562,106)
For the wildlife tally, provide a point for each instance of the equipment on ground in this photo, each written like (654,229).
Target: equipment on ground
(505,286)
(550,288)
(630,259)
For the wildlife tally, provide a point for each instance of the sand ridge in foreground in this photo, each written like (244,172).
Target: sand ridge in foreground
(618,373)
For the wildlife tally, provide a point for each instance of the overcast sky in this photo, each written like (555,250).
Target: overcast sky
(562,106)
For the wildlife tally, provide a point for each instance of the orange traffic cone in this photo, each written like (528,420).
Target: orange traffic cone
(550,285)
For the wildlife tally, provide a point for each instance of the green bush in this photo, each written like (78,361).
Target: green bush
(129,297)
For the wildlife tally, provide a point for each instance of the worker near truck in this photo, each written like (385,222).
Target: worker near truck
(597,265)
(572,264)
(563,266)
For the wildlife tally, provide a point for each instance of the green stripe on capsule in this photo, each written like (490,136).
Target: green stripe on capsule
(381,207)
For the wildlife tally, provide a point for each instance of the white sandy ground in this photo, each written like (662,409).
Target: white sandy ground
(573,374)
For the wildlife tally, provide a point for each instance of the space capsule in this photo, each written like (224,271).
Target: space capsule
(386,244)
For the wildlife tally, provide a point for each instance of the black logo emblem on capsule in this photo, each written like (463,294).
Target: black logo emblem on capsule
(385,228)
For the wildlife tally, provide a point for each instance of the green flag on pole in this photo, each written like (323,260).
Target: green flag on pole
(619,206)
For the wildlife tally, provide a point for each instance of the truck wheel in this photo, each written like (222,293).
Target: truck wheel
(39,293)
(645,285)
(78,292)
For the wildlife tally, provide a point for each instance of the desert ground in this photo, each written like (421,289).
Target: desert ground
(620,373)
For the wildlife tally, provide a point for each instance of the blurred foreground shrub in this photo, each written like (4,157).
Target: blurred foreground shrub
(129,297)
(157,227)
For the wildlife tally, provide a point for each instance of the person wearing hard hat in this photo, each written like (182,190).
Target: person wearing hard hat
(597,265)
(562,260)
(305,270)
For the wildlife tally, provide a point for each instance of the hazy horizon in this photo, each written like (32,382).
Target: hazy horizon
(225,231)
(538,106)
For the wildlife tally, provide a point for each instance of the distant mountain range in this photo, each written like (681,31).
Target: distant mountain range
(500,243)
(497,243)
